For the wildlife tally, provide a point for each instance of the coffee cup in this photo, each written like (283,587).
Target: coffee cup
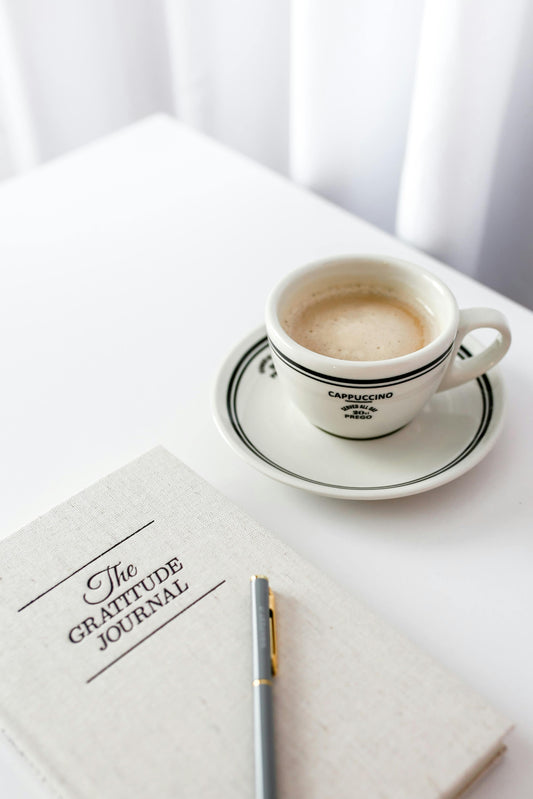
(361,343)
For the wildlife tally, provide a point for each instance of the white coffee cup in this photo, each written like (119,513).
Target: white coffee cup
(371,398)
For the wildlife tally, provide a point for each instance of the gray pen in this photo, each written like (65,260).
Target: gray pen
(264,666)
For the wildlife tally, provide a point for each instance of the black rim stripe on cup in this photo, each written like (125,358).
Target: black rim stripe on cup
(231,404)
(350,383)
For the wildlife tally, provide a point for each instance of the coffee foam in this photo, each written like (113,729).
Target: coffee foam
(358,322)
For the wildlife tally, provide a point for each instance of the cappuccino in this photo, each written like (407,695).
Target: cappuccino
(357,322)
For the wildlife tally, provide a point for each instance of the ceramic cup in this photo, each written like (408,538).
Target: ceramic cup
(368,399)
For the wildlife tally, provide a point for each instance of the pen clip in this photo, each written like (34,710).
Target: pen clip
(273,633)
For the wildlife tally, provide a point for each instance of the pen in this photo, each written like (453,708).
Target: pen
(264,666)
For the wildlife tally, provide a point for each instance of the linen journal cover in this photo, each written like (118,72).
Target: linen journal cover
(125,665)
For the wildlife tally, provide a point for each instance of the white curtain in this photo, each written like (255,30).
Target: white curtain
(417,115)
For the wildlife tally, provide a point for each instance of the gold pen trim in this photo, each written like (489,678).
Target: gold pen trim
(273,633)
(261,682)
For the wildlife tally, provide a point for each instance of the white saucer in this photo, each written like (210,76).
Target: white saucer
(451,435)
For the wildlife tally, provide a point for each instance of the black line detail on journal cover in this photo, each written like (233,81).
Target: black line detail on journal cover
(84,565)
(146,637)
(231,403)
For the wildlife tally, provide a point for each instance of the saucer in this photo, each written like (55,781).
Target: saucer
(455,430)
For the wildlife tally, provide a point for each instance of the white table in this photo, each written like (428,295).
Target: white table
(129,269)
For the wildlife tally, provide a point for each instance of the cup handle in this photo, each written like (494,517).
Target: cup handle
(459,371)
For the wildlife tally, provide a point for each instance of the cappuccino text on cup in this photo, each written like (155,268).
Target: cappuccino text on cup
(361,343)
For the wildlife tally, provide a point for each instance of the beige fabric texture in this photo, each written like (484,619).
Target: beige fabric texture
(165,710)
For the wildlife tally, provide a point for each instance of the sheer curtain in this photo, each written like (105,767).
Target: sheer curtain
(417,115)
